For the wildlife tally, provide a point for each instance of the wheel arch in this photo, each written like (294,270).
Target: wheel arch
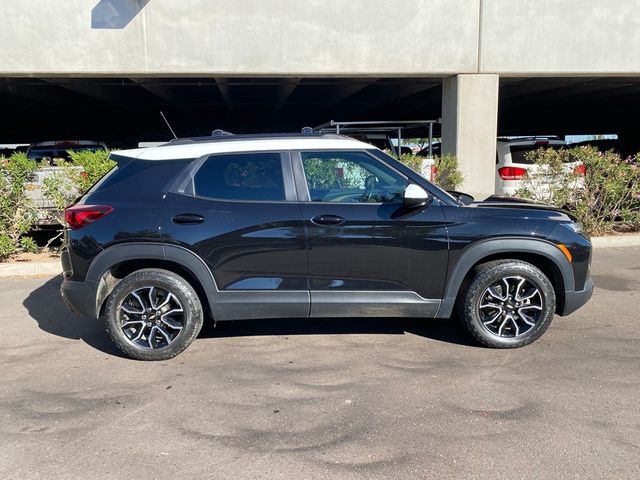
(541,253)
(118,261)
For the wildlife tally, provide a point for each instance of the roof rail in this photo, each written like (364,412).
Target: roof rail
(230,137)
(218,132)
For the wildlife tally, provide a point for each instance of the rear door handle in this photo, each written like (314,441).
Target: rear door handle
(328,220)
(188,219)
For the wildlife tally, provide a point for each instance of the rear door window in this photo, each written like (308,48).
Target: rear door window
(246,176)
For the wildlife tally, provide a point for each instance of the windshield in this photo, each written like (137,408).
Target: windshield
(390,160)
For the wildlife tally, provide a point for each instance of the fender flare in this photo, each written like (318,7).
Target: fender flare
(149,251)
(485,248)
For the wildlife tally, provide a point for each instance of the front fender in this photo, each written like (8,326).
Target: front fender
(477,251)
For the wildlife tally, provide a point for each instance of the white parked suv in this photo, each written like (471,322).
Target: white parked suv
(513,164)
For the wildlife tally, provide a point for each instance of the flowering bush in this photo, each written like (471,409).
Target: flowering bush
(605,200)
(446,172)
(75,177)
(17,212)
(555,181)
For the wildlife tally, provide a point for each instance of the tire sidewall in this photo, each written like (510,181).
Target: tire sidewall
(170,282)
(486,278)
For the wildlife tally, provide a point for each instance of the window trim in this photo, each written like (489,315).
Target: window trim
(303,187)
(186,184)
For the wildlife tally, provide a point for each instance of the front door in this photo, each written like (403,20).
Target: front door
(239,213)
(367,254)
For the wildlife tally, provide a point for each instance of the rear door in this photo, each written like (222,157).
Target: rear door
(239,213)
(367,254)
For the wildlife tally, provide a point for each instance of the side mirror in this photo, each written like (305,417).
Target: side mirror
(415,197)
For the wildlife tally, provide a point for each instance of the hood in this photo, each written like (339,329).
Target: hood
(495,201)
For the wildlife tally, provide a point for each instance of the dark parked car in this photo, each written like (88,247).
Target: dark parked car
(257,227)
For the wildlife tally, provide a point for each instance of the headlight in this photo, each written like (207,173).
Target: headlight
(574,226)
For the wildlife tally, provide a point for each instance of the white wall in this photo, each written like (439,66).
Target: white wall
(228,37)
(561,37)
(320,37)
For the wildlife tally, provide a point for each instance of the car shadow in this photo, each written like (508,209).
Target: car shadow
(440,329)
(46,307)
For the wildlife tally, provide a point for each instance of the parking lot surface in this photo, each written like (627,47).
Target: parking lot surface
(298,399)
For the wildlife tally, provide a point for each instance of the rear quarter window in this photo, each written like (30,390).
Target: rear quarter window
(138,178)
(246,176)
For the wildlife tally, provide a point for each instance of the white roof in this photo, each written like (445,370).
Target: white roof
(198,149)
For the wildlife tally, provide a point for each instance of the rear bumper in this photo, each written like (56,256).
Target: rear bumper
(80,297)
(574,300)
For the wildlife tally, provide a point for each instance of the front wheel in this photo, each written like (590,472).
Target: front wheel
(153,314)
(508,304)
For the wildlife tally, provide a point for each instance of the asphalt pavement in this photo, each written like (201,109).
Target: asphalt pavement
(335,399)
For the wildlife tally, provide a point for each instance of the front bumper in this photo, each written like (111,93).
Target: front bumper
(80,297)
(574,300)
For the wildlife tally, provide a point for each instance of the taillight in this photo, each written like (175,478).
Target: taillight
(78,216)
(512,173)
(580,170)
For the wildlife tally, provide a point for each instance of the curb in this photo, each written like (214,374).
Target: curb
(616,241)
(36,269)
(49,269)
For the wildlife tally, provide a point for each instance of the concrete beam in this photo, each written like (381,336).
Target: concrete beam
(163,93)
(469,129)
(285,89)
(225,93)
(107,94)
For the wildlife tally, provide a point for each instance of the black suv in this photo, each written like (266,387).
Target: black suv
(252,227)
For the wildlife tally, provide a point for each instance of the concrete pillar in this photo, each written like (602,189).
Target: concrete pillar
(469,129)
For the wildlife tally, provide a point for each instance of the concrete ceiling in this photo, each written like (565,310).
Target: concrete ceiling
(123,111)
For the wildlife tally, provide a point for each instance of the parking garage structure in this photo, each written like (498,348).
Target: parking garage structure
(105,69)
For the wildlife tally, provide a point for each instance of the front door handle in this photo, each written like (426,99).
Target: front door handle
(188,219)
(328,220)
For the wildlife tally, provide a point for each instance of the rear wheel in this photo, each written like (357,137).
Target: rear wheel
(153,314)
(508,304)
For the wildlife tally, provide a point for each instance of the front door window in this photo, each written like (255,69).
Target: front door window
(351,177)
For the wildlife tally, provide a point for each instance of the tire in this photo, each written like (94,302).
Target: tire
(153,314)
(500,289)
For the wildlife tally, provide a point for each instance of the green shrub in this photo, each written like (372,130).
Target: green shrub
(17,211)
(414,162)
(607,199)
(7,246)
(28,245)
(62,187)
(554,182)
(95,165)
(75,177)
(446,172)
(610,199)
